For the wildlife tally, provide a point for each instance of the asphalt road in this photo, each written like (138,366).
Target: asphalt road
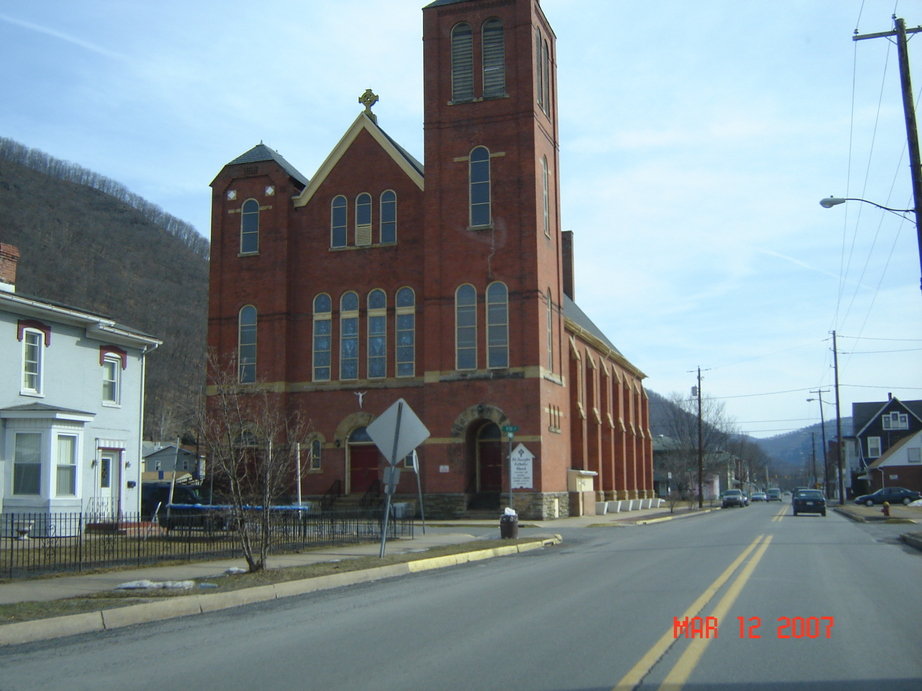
(835,605)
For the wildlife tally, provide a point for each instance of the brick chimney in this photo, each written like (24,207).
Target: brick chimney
(9,259)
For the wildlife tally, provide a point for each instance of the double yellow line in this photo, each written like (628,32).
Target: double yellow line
(782,512)
(689,659)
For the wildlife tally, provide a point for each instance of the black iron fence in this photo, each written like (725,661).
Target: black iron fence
(40,543)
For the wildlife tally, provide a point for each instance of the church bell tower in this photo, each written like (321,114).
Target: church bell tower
(491,155)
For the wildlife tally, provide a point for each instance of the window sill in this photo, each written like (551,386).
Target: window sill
(111,404)
(32,394)
(248,254)
(488,226)
(344,248)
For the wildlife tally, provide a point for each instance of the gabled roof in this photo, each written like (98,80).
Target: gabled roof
(583,326)
(864,414)
(893,450)
(261,152)
(412,167)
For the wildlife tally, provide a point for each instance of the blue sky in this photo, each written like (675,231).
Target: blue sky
(696,140)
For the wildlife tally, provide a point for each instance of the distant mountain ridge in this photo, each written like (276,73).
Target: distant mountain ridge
(85,241)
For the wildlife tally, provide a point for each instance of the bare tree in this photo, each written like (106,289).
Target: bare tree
(249,440)
(681,428)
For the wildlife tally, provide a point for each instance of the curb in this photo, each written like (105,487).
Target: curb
(118,617)
(848,514)
(672,518)
(913,540)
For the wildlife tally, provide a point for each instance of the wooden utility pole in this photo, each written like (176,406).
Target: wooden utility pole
(912,132)
(819,393)
(700,446)
(840,445)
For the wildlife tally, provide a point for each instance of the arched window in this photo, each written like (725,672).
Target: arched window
(349,336)
(249,227)
(363,220)
(246,344)
(323,327)
(539,70)
(497,325)
(546,76)
(542,73)
(388,217)
(546,193)
(550,331)
(315,451)
(338,221)
(405,334)
(480,187)
(377,334)
(494,59)
(462,63)
(466,327)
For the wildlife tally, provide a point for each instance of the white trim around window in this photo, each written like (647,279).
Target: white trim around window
(33,360)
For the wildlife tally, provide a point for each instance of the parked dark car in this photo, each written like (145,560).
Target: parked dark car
(731,497)
(154,494)
(809,501)
(893,495)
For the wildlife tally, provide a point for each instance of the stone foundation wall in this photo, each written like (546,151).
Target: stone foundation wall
(541,506)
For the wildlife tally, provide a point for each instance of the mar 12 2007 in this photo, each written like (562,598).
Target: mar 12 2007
(749,627)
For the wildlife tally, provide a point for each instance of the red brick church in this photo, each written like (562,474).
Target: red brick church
(449,286)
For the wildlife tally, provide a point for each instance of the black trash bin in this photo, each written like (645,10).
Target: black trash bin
(509,526)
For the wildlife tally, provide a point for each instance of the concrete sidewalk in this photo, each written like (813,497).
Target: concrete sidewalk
(443,533)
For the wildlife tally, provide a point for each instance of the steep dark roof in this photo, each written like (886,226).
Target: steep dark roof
(411,159)
(864,413)
(439,3)
(261,152)
(578,317)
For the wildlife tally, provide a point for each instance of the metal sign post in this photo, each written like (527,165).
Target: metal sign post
(396,432)
(419,487)
(510,431)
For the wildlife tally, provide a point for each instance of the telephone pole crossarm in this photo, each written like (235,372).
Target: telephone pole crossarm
(912,133)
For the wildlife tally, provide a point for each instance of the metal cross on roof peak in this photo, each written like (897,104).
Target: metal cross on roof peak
(368,99)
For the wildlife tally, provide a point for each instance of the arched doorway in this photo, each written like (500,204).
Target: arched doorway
(364,462)
(489,450)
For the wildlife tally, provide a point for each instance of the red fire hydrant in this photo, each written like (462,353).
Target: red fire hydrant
(886,508)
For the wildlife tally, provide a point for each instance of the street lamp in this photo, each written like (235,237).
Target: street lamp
(830,202)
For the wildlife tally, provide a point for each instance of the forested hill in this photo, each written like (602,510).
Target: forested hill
(87,242)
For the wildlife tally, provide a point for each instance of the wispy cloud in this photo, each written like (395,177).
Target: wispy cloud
(61,36)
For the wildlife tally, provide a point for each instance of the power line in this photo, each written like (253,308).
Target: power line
(878,352)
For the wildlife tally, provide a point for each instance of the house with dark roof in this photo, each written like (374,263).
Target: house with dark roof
(450,286)
(71,413)
(886,443)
